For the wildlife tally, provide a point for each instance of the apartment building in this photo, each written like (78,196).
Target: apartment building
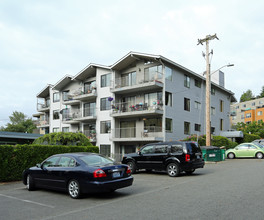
(140,99)
(247,112)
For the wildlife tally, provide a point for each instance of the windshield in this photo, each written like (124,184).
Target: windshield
(259,145)
(96,160)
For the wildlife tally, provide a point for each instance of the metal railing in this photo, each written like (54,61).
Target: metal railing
(129,107)
(70,116)
(91,134)
(133,132)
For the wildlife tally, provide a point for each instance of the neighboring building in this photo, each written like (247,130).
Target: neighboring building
(247,112)
(140,99)
(14,138)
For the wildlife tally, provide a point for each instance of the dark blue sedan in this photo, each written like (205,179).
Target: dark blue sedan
(78,173)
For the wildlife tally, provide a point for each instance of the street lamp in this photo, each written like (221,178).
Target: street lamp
(208,101)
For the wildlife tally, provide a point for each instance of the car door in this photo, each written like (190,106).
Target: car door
(144,160)
(159,156)
(43,176)
(242,150)
(252,150)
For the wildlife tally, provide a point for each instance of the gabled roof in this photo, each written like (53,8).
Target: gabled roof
(89,71)
(44,93)
(63,82)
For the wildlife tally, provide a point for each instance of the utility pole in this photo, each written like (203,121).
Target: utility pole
(208,87)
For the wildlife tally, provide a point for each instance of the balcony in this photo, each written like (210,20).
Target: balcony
(123,85)
(43,124)
(150,133)
(70,101)
(70,118)
(43,107)
(89,114)
(125,110)
(88,95)
(91,134)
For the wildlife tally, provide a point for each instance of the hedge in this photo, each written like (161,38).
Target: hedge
(14,159)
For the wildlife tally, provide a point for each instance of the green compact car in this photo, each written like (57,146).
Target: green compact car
(246,150)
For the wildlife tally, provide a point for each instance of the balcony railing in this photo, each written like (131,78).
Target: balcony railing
(91,134)
(128,107)
(41,107)
(133,132)
(70,116)
(42,123)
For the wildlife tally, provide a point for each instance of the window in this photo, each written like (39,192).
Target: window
(242,116)
(221,105)
(56,129)
(106,80)
(56,97)
(161,149)
(56,114)
(89,87)
(212,91)
(152,99)
(168,99)
(197,105)
(153,124)
(197,127)
(168,125)
(260,113)
(212,110)
(245,105)
(187,81)
(253,103)
(105,150)
(105,127)
(198,83)
(66,162)
(89,109)
(105,104)
(186,104)
(65,95)
(261,102)
(129,79)
(153,73)
(187,127)
(51,162)
(168,73)
(221,124)
(65,129)
(147,150)
(212,130)
(248,115)
(176,149)
(237,107)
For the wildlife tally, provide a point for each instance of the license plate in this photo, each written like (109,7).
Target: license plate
(116,174)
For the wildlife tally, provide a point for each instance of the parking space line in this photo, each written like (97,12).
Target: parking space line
(118,200)
(28,201)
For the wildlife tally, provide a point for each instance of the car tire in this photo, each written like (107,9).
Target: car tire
(132,166)
(74,189)
(30,183)
(173,169)
(189,172)
(259,155)
(231,156)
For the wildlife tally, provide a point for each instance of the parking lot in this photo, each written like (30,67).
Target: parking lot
(232,189)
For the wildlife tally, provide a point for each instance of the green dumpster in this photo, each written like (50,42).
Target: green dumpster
(223,154)
(211,153)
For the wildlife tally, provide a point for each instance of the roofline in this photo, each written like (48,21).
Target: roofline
(48,85)
(63,78)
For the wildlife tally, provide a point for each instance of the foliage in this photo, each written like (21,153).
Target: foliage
(255,127)
(246,96)
(217,141)
(63,138)
(14,159)
(250,137)
(261,95)
(19,123)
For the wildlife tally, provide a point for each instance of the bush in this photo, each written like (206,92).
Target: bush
(14,159)
(63,138)
(250,137)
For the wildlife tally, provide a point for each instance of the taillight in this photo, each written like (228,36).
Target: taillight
(99,173)
(187,157)
(128,171)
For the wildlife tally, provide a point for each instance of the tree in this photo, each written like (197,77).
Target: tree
(255,128)
(262,92)
(246,96)
(19,123)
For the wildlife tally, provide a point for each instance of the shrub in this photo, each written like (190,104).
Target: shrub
(63,138)
(14,159)
(250,137)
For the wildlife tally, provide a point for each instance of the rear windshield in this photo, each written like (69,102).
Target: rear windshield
(192,148)
(96,160)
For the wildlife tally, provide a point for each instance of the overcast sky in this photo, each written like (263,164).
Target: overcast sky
(42,41)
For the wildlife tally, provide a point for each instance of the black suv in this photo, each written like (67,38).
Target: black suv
(174,157)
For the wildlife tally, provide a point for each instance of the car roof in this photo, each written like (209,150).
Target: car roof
(75,154)
(168,143)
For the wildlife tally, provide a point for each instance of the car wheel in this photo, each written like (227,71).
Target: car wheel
(231,156)
(74,189)
(30,183)
(173,169)
(189,172)
(259,155)
(132,166)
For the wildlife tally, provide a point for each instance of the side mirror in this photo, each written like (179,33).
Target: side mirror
(139,153)
(38,165)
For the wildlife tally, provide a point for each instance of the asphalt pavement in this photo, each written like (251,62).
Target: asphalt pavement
(232,189)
